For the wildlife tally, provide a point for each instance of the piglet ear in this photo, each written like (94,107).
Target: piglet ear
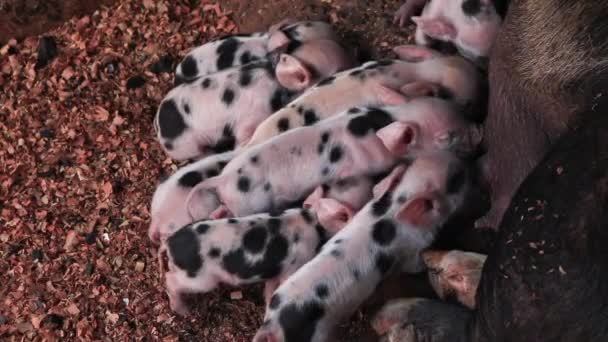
(436,28)
(419,212)
(415,53)
(389,182)
(292,73)
(432,258)
(201,202)
(333,215)
(398,137)
(421,88)
(277,40)
(281,25)
(390,97)
(313,198)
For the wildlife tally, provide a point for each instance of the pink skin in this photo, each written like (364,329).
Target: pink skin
(291,164)
(419,72)
(227,237)
(258,44)
(292,175)
(208,115)
(168,208)
(419,206)
(445,20)
(338,203)
(328,56)
(303,31)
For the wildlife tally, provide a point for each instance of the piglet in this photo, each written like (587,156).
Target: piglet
(168,209)
(219,111)
(387,235)
(288,167)
(471,25)
(242,49)
(420,71)
(337,202)
(455,274)
(247,250)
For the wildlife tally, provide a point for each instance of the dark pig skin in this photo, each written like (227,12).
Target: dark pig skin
(547,278)
(540,83)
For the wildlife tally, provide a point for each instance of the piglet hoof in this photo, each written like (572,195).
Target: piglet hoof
(405,319)
(178,306)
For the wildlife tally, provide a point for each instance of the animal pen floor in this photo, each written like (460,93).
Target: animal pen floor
(79,163)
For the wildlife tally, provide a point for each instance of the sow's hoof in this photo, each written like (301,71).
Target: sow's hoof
(422,320)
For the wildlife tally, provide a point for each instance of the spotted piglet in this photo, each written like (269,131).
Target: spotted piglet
(454,275)
(419,71)
(387,235)
(168,209)
(252,249)
(216,112)
(288,167)
(471,25)
(242,49)
(337,202)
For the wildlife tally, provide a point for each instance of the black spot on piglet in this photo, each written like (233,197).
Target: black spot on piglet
(268,267)
(322,291)
(202,228)
(307,216)
(243,184)
(228,96)
(283,124)
(384,232)
(373,120)
(471,7)
(310,117)
(335,154)
(226,53)
(299,322)
(184,248)
(190,179)
(279,99)
(255,239)
(380,207)
(170,120)
(189,67)
(275,301)
(214,252)
(225,143)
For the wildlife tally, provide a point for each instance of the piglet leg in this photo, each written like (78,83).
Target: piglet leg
(269,287)
(174,291)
